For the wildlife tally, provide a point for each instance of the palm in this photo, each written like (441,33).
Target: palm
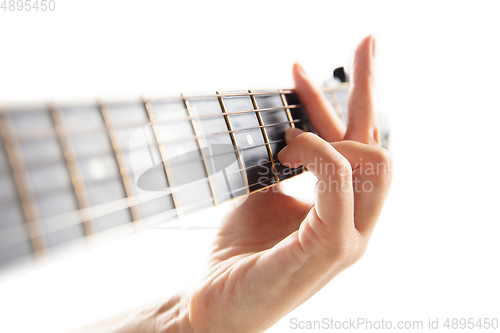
(261,222)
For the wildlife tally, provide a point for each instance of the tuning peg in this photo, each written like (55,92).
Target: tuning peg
(340,74)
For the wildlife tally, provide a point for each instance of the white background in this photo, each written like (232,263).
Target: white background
(435,251)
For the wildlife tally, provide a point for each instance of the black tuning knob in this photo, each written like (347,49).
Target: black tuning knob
(339,74)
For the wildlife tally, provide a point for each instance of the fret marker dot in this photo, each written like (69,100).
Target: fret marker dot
(96,169)
(249,139)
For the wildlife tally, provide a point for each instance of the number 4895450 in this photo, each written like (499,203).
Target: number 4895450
(28,5)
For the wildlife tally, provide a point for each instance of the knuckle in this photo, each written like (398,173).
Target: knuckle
(343,171)
(345,250)
(305,137)
(304,141)
(383,160)
(343,167)
(337,247)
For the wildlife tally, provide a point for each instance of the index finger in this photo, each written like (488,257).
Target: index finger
(320,111)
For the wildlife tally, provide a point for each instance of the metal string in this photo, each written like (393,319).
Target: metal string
(125,203)
(95,128)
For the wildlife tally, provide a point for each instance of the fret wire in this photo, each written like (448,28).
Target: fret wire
(264,133)
(24,187)
(73,165)
(163,153)
(233,138)
(199,140)
(287,108)
(120,159)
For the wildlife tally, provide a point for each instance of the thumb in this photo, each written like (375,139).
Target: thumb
(334,205)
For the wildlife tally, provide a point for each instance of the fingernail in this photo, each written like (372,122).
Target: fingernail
(292,133)
(301,70)
(373,46)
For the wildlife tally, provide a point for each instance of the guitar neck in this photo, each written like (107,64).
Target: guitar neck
(69,172)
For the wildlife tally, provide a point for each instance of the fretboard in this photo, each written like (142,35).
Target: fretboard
(68,172)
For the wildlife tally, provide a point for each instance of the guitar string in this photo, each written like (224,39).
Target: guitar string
(163,119)
(118,207)
(215,155)
(237,150)
(241,94)
(41,163)
(47,163)
(195,137)
(95,128)
(245,93)
(194,117)
(198,158)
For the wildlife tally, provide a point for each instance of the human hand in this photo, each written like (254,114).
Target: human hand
(274,252)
